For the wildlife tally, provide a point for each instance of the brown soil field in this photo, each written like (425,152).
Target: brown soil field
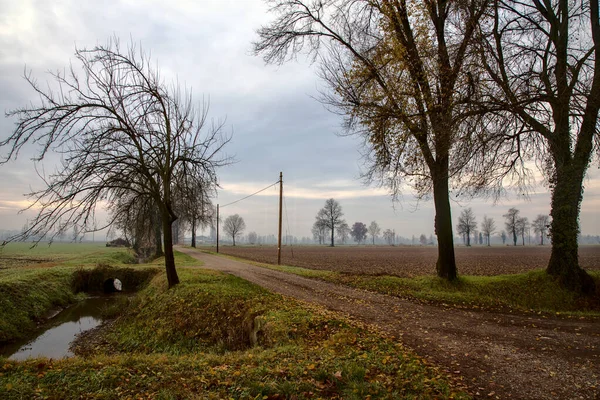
(407,261)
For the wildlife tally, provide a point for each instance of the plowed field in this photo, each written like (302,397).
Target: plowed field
(406,261)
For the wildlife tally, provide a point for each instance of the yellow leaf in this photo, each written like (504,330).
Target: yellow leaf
(8,386)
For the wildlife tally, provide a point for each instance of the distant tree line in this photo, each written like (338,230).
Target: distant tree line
(517,228)
(326,228)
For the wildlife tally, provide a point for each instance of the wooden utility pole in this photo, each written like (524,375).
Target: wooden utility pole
(280,203)
(217,228)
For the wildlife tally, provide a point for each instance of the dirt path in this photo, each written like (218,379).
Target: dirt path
(498,355)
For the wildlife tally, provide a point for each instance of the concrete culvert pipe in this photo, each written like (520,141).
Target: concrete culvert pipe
(112,285)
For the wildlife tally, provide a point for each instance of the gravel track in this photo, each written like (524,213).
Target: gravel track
(497,355)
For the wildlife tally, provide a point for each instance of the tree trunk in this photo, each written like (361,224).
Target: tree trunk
(233,237)
(514,232)
(156,222)
(194,232)
(446,263)
(172,277)
(332,244)
(564,259)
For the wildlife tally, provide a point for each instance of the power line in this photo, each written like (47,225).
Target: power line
(250,195)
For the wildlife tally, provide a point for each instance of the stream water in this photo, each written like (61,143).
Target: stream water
(55,337)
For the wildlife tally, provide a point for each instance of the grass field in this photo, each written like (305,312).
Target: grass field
(214,336)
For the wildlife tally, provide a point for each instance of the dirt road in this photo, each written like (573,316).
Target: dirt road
(498,355)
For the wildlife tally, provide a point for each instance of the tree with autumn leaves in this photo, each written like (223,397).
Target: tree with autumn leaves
(438,93)
(399,72)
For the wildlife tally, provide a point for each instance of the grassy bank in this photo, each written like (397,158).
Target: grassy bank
(34,282)
(27,295)
(533,291)
(217,336)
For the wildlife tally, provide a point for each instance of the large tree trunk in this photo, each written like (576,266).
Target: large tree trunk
(194,232)
(172,277)
(564,259)
(156,222)
(446,263)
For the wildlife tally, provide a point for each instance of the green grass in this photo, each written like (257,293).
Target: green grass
(80,254)
(27,295)
(532,291)
(31,290)
(56,250)
(194,341)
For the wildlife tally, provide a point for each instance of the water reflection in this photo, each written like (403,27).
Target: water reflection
(54,340)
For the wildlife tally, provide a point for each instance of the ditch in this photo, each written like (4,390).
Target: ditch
(54,338)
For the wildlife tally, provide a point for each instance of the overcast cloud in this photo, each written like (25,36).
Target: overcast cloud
(271,112)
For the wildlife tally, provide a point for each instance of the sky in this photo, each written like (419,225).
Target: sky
(271,112)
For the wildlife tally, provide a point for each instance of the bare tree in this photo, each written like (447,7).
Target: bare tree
(544,59)
(488,227)
(319,229)
(400,72)
(466,224)
(331,216)
(511,223)
(374,230)
(389,236)
(119,130)
(138,217)
(359,232)
(193,205)
(252,238)
(503,237)
(423,239)
(178,228)
(522,226)
(343,232)
(234,225)
(540,226)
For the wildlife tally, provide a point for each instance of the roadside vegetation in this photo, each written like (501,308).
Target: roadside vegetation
(218,336)
(531,291)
